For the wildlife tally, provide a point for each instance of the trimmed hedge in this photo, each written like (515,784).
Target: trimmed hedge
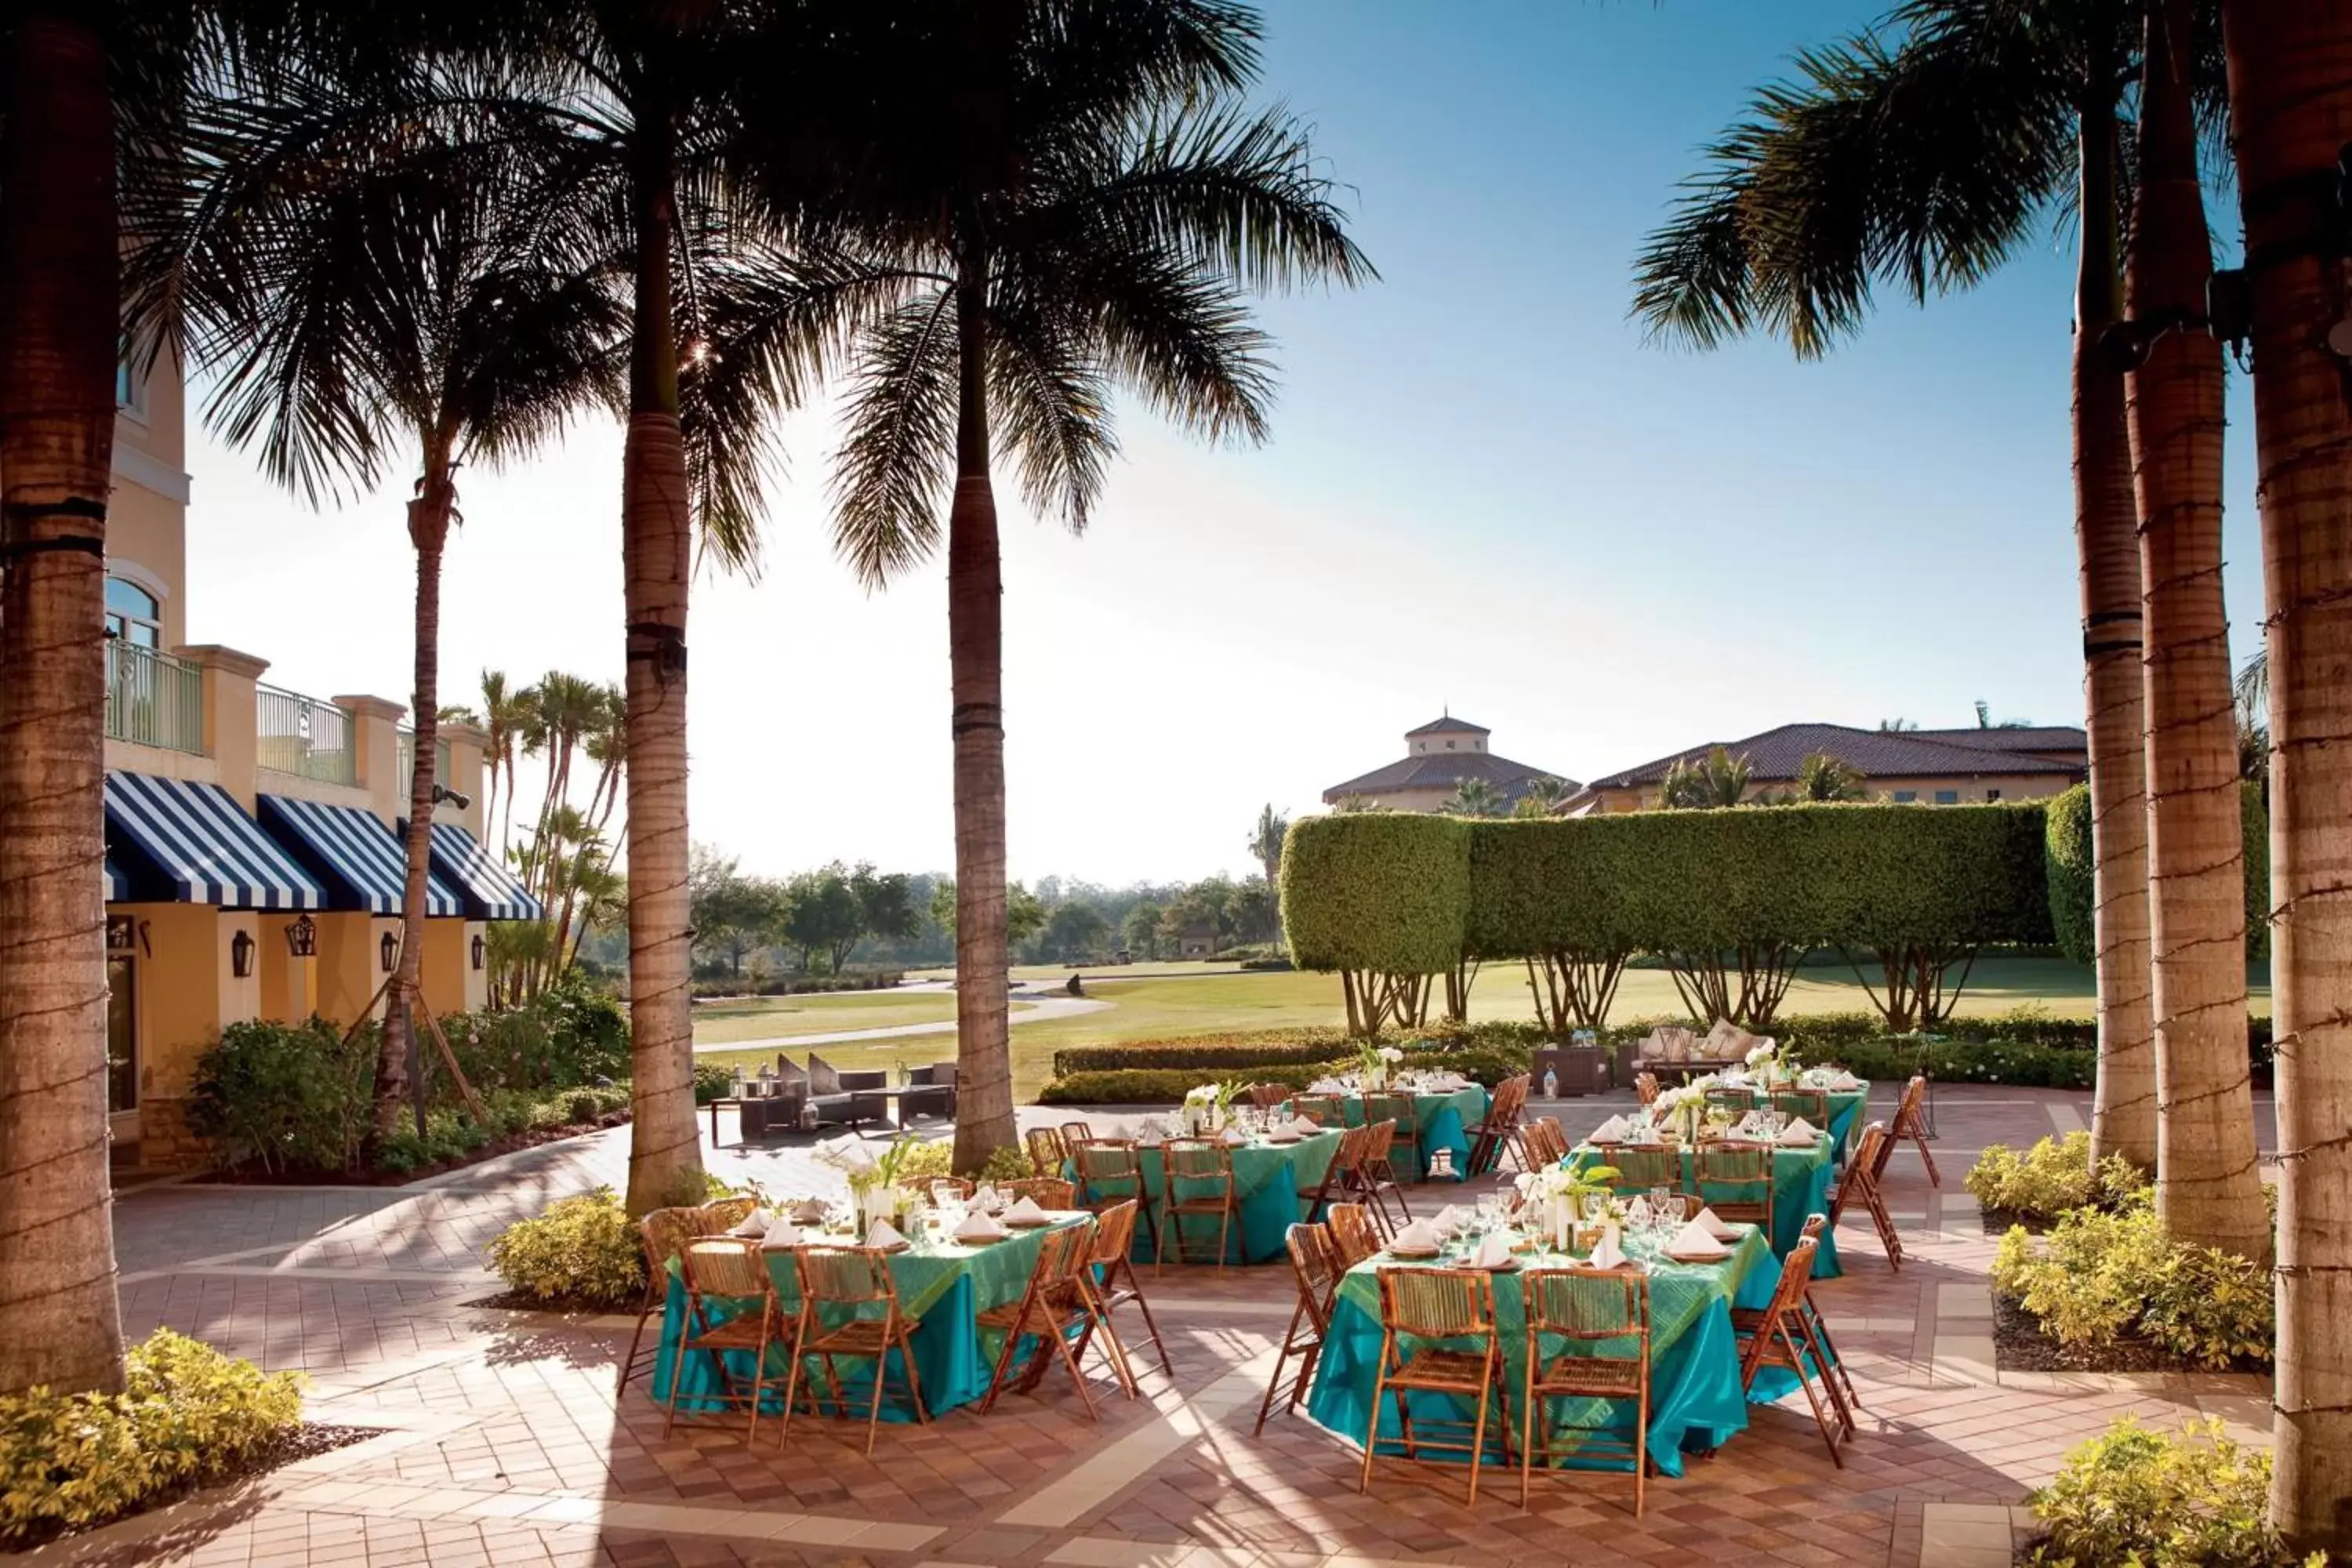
(1169,1084)
(1376,891)
(1306,1047)
(2069,862)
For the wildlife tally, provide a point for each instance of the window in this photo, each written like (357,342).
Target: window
(121,1036)
(129,389)
(1948,797)
(1992,794)
(133,613)
(1906,796)
(1449,745)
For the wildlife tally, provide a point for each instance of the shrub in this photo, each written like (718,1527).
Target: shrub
(2102,1273)
(2068,865)
(2191,1499)
(286,1096)
(712,1080)
(2051,1177)
(587,1031)
(1380,891)
(186,1414)
(582,1250)
(935,1157)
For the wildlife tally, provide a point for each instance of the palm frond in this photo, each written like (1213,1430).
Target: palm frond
(1052,405)
(900,416)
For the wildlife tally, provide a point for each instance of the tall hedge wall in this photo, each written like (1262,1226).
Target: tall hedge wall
(2070,862)
(1378,890)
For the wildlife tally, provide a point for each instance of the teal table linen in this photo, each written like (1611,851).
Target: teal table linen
(1800,1188)
(1267,1181)
(944,1284)
(1695,1399)
(1444,1120)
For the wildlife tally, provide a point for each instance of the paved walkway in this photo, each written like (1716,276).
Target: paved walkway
(504,1443)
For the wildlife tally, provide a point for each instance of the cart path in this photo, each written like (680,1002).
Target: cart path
(1037,1010)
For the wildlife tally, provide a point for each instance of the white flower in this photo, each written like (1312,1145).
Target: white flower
(1391,1054)
(1203,1094)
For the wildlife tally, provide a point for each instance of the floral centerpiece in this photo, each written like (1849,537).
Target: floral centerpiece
(1379,1062)
(1208,1106)
(1680,1110)
(1557,1197)
(1766,1063)
(874,1183)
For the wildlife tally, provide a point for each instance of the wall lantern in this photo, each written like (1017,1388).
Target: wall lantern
(481,949)
(388,950)
(121,934)
(302,938)
(240,953)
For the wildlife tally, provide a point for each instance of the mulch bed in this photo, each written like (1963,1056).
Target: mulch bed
(252,1175)
(294,1444)
(2021,1344)
(1997,1222)
(567,1306)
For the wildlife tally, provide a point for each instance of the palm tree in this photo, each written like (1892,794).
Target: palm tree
(1547,792)
(354,300)
(503,714)
(1926,167)
(1824,777)
(1265,849)
(1720,781)
(2290,100)
(1083,236)
(1473,797)
(2208,1189)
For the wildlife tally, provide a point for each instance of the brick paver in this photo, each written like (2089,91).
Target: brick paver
(504,1444)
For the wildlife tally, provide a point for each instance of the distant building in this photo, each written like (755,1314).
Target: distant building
(1198,940)
(1929,767)
(1438,756)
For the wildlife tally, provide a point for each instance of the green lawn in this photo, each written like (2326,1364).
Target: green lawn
(756,1018)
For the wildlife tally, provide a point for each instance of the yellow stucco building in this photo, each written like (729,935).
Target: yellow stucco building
(252,865)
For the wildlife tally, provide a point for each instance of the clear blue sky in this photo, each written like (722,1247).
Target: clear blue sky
(1485,490)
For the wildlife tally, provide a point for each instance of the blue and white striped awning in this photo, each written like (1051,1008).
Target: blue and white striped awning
(487,889)
(360,861)
(195,845)
(118,886)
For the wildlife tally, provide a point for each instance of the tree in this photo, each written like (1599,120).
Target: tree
(732,912)
(885,905)
(1720,781)
(1105,207)
(1473,797)
(1142,929)
(2250,701)
(820,915)
(1265,842)
(1549,794)
(1024,915)
(1897,726)
(2208,1189)
(503,715)
(942,908)
(1824,777)
(1926,166)
(1076,929)
(2289,100)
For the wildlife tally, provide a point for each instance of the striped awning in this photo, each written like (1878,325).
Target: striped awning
(118,886)
(360,861)
(487,889)
(194,843)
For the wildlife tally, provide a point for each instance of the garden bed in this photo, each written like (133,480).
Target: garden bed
(2020,1343)
(292,1446)
(555,1307)
(251,1173)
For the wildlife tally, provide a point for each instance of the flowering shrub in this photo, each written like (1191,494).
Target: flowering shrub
(2100,1274)
(2051,1177)
(582,1250)
(2159,1499)
(186,1413)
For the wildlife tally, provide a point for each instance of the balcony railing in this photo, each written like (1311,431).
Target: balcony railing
(305,736)
(153,698)
(407,759)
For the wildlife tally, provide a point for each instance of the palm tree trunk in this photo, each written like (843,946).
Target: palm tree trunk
(58,346)
(984,1121)
(2291,104)
(657,534)
(2123,1116)
(2208,1189)
(428,531)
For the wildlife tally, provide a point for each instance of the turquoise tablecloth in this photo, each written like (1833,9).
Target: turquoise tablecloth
(945,1285)
(1444,1120)
(1800,1188)
(1845,1113)
(1268,1180)
(1695,1401)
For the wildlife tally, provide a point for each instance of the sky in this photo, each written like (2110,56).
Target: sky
(1485,493)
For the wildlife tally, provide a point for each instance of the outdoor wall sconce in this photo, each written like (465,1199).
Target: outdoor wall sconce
(240,954)
(302,938)
(388,950)
(481,949)
(451,798)
(121,934)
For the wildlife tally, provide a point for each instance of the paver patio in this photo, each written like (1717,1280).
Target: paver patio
(504,1444)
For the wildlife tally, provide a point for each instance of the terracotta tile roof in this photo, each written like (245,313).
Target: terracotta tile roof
(1444,770)
(1449,725)
(1776,754)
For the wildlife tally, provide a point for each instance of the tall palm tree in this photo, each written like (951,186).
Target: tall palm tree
(1825,777)
(1926,166)
(2208,1188)
(1720,781)
(1473,797)
(502,713)
(1080,234)
(1265,849)
(356,297)
(2290,100)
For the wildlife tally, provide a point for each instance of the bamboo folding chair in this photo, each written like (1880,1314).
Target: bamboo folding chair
(1826,1360)
(958,1189)
(1812,1104)
(1353,1238)
(1112,1277)
(1645,1086)
(1048,1155)
(1605,1317)
(1860,1181)
(1316,1271)
(847,1283)
(1641,1168)
(1323,1110)
(1112,1173)
(1267,1096)
(1732,1098)
(1200,1185)
(1402,1110)
(1076,1132)
(1375,1180)
(730,1305)
(1426,1314)
(1775,1336)
(1742,1173)
(1046,1192)
(1493,1134)
(664,1233)
(1910,1122)
(1054,1304)
(722,1215)
(1339,1175)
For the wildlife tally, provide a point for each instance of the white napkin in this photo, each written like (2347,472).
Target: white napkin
(1846,1081)
(1448,1221)
(885,1233)
(756,1223)
(1304,1126)
(1495,1252)
(1325,1086)
(979,1226)
(809,1211)
(1025,1211)
(1800,1134)
(1232,1137)
(1706,1220)
(1605,1253)
(1695,1238)
(1418,1236)
(782,1236)
(850,1152)
(1609,1131)
(986,1199)
(1647,1136)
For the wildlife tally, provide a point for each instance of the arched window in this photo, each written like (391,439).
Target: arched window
(133,613)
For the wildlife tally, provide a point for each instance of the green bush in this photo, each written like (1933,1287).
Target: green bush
(1302,1046)
(712,1080)
(2051,1177)
(1165,1083)
(2102,1273)
(2068,865)
(1382,891)
(285,1096)
(2160,1499)
(936,1157)
(587,1031)
(186,1414)
(2255,821)
(582,1250)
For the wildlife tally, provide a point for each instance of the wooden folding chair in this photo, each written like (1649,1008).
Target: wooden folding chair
(1812,1104)
(1316,1271)
(1493,1134)
(1732,1098)
(1110,1173)
(1425,1316)
(1542,1143)
(1354,1238)
(1055,1303)
(1774,1336)
(1048,1155)
(1832,1366)
(1199,1173)
(1076,1132)
(1860,1181)
(1641,1168)
(1046,1192)
(1267,1096)
(1910,1122)
(1339,1176)
(1736,1180)
(730,1305)
(664,1233)
(1323,1110)
(845,1285)
(1112,1278)
(1375,1180)
(1645,1084)
(1605,1317)
(1405,1137)
(958,1189)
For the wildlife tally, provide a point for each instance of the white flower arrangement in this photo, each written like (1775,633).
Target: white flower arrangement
(1391,1054)
(1203,1094)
